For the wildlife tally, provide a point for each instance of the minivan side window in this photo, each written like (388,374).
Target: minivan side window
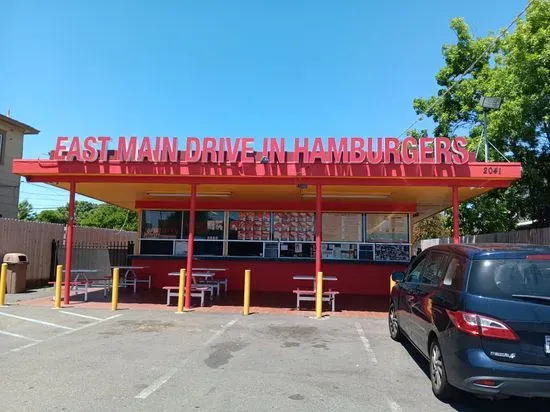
(454,276)
(413,275)
(433,269)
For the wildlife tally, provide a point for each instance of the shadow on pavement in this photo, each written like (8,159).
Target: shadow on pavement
(468,402)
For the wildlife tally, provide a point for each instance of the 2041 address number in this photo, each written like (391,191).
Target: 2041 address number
(492,170)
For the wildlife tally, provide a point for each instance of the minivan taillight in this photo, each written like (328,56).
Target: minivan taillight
(480,325)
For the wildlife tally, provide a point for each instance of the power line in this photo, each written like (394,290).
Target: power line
(460,77)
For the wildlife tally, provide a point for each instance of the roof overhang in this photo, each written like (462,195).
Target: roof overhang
(419,189)
(18,125)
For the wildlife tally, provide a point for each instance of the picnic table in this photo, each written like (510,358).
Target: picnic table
(131,278)
(309,295)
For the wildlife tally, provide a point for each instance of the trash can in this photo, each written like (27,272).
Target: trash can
(17,272)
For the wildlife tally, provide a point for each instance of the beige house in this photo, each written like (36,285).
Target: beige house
(11,147)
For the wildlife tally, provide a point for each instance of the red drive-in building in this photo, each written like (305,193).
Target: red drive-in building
(293,206)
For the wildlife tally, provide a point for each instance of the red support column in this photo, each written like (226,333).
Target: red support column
(190,242)
(318,229)
(69,246)
(456,218)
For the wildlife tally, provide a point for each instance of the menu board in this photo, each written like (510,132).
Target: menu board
(387,228)
(294,226)
(250,225)
(342,227)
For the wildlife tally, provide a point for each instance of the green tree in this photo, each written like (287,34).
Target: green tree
(111,217)
(25,211)
(52,216)
(430,228)
(517,69)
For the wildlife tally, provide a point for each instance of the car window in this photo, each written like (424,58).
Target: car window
(433,269)
(413,275)
(454,275)
(503,278)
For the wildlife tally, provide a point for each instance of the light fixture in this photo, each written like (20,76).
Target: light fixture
(488,103)
(264,160)
(301,186)
(347,196)
(204,194)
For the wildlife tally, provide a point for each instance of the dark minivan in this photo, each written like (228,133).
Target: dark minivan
(481,315)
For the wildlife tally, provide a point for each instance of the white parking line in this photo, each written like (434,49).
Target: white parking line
(41,322)
(15,335)
(366,343)
(157,383)
(68,332)
(79,315)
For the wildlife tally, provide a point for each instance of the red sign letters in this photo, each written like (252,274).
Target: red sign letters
(353,150)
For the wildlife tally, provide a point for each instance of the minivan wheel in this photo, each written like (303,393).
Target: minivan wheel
(438,375)
(395,330)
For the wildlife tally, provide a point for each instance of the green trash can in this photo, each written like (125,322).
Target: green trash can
(16,281)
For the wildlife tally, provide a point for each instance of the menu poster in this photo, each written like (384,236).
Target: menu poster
(342,227)
(250,225)
(294,226)
(387,228)
(180,248)
(392,253)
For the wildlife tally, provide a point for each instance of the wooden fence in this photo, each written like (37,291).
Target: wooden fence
(530,236)
(34,239)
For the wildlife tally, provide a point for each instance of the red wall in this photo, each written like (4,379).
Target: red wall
(274,276)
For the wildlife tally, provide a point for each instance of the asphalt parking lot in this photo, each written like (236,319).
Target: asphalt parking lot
(147,360)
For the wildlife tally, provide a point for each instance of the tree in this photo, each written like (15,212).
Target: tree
(25,211)
(430,228)
(52,216)
(516,68)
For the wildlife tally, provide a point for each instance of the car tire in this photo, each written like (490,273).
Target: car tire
(393,324)
(438,374)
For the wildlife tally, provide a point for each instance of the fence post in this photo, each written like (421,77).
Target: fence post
(246,304)
(319,296)
(58,281)
(114,302)
(3,276)
(181,294)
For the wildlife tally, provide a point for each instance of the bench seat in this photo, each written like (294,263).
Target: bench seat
(309,295)
(196,292)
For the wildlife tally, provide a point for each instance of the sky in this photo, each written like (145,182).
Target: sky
(281,68)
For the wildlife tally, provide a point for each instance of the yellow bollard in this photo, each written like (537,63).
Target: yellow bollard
(392,284)
(3,280)
(246,305)
(319,296)
(58,281)
(114,301)
(181,291)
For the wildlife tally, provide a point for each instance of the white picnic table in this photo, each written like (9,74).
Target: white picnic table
(129,272)
(314,279)
(207,276)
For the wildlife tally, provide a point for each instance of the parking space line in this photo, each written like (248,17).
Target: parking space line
(40,322)
(157,383)
(67,332)
(15,335)
(79,315)
(366,343)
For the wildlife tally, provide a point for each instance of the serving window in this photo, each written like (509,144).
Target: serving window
(345,236)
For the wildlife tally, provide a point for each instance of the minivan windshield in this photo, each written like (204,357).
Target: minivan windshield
(509,278)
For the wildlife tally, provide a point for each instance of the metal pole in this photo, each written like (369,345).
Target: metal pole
(456,221)
(181,291)
(69,245)
(319,296)
(485,134)
(318,228)
(190,242)
(58,283)
(246,303)
(3,280)
(114,295)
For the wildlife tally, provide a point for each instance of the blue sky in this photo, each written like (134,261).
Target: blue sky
(220,68)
